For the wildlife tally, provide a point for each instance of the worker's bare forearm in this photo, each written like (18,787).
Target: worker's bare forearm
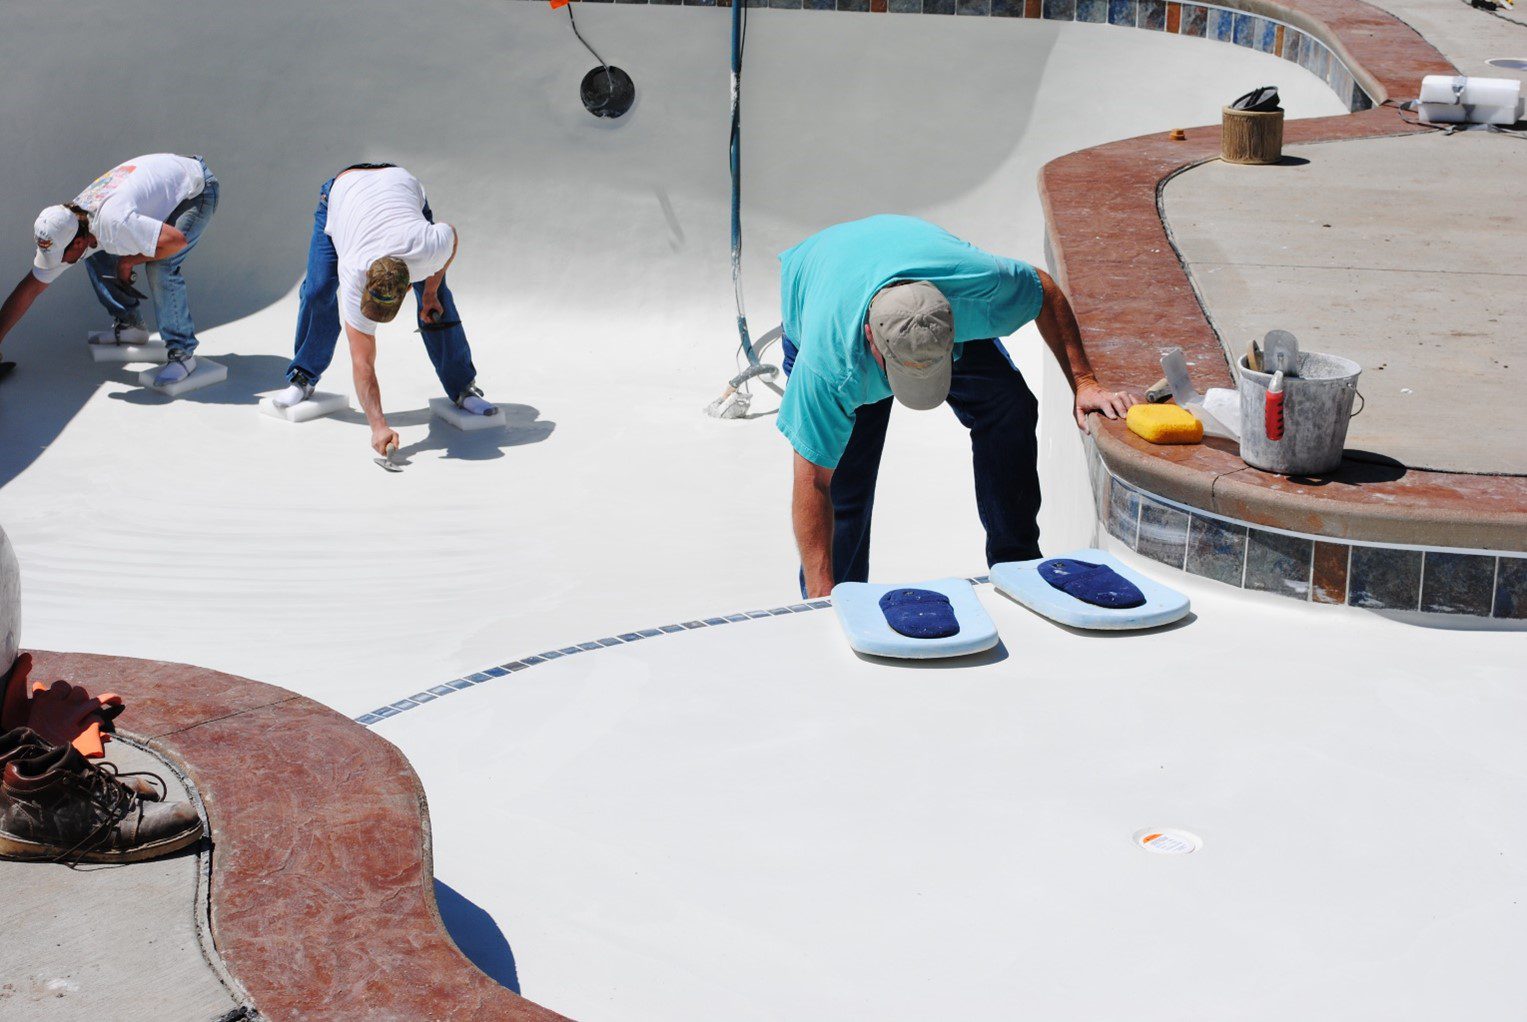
(18,302)
(811,515)
(1057,325)
(369,393)
(363,367)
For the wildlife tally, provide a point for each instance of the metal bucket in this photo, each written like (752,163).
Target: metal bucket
(1317,404)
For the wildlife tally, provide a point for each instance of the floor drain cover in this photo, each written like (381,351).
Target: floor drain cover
(1165,841)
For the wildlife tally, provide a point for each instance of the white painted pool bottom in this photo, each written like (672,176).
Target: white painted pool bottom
(594,281)
(750,822)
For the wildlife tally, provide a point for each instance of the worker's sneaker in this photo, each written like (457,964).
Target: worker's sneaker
(56,806)
(472,402)
(123,331)
(299,390)
(180,365)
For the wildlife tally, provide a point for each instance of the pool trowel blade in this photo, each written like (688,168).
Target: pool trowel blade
(1175,366)
(386,461)
(1280,351)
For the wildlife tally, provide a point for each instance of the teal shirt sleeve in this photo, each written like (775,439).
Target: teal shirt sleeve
(814,418)
(1022,297)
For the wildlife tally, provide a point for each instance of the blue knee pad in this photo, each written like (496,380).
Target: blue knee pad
(1097,584)
(919,613)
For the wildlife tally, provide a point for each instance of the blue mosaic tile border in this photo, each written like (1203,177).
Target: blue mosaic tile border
(1202,21)
(503,670)
(1315,569)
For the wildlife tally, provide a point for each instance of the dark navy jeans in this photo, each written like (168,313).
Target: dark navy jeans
(991,399)
(318,315)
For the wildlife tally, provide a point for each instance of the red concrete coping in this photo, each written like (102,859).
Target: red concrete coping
(1133,300)
(322,888)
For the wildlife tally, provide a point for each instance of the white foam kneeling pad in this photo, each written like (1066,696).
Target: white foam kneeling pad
(321,403)
(207,373)
(447,410)
(110,351)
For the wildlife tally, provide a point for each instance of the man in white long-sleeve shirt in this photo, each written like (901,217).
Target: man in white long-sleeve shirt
(149,211)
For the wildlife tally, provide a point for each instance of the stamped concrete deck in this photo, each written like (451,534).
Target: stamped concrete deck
(322,896)
(1110,248)
(1401,253)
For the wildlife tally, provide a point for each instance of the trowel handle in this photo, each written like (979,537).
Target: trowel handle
(1273,408)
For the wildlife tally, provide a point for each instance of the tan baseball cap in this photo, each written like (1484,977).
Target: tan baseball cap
(912,326)
(386,284)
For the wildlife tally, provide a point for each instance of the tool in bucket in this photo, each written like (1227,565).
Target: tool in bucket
(1280,356)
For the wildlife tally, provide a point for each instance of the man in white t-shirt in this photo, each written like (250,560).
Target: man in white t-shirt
(149,211)
(373,235)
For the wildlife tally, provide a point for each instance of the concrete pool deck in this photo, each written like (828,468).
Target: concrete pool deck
(1111,247)
(1400,253)
(112,942)
(322,903)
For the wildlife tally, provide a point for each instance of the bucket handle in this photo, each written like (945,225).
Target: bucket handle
(1361,406)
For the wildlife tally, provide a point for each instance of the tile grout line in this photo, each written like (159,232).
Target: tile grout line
(1309,595)
(510,667)
(1346,596)
(1421,583)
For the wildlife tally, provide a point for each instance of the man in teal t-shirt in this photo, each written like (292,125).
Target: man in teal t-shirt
(892,306)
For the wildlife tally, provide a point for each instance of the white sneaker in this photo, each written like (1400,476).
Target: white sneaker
(120,333)
(293,395)
(476,405)
(175,370)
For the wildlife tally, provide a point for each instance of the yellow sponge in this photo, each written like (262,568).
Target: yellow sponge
(1164,424)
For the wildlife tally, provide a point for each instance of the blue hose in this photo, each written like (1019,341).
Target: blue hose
(739,38)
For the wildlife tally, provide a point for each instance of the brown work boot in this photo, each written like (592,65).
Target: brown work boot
(56,806)
(20,741)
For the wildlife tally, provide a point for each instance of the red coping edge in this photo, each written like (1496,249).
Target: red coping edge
(322,890)
(1133,299)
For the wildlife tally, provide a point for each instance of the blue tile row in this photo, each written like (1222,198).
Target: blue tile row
(1310,568)
(1205,21)
(468,681)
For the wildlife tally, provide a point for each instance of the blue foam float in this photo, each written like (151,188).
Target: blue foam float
(1021,581)
(864,622)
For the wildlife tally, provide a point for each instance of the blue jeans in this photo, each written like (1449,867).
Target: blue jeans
(166,285)
(318,315)
(990,398)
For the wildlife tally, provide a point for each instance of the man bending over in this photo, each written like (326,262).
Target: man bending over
(373,235)
(149,211)
(892,306)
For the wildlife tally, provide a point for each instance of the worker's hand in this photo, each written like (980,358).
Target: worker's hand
(430,308)
(381,437)
(124,271)
(1092,398)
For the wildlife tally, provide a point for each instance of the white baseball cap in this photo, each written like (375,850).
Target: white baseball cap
(56,226)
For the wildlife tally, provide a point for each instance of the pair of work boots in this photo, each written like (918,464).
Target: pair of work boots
(57,806)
